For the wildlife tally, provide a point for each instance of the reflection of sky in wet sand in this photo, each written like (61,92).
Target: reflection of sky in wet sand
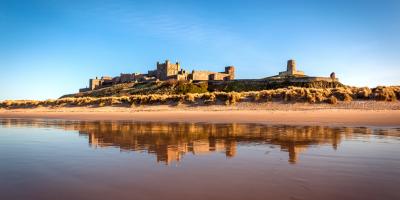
(169,142)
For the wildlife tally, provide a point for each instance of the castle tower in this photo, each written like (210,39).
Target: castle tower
(94,83)
(291,67)
(231,71)
(291,70)
(178,66)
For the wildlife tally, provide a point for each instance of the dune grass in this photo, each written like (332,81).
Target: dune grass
(290,94)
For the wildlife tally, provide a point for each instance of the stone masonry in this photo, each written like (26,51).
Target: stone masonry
(164,71)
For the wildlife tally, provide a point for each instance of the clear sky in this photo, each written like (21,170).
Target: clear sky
(52,47)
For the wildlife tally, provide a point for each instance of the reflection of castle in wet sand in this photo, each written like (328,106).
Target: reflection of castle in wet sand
(169,153)
(162,141)
(170,141)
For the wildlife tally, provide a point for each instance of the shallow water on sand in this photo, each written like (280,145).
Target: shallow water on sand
(55,159)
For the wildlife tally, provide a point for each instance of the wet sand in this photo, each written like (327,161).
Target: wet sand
(56,159)
(321,116)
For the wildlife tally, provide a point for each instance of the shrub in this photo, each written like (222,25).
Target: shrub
(382,93)
(221,96)
(311,98)
(234,97)
(209,98)
(342,94)
(184,88)
(332,100)
(255,96)
(190,98)
(265,95)
(362,93)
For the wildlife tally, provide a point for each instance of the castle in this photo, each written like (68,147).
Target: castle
(167,71)
(291,70)
(164,71)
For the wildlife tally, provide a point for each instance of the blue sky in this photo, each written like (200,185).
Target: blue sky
(52,47)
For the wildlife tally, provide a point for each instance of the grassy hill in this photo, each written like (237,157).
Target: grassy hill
(214,93)
(196,94)
(184,87)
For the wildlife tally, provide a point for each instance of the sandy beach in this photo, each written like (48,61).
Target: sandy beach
(355,114)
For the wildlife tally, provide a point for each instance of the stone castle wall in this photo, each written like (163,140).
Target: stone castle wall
(228,74)
(126,78)
(200,75)
(218,76)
